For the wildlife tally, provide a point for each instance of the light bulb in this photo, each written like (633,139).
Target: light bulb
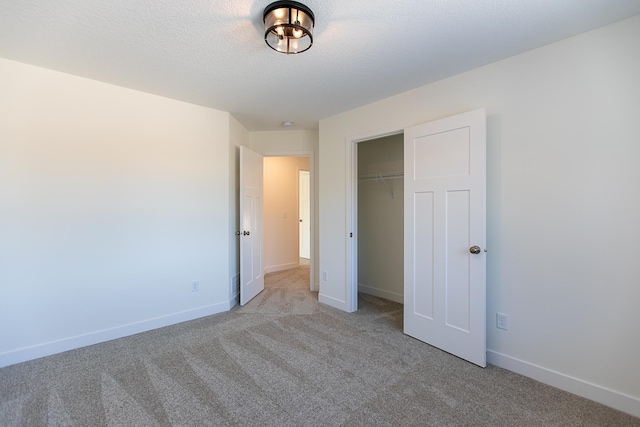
(279,29)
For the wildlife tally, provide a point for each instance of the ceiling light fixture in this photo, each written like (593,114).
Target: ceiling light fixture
(288,26)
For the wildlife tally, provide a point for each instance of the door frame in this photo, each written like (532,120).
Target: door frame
(351,243)
(314,286)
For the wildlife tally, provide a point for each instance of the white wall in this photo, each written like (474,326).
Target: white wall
(281,217)
(112,202)
(268,142)
(292,142)
(563,204)
(381,219)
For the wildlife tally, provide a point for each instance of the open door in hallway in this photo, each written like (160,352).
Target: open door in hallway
(445,236)
(251,232)
(304,202)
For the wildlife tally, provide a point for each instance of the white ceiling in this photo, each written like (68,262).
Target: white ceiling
(212,53)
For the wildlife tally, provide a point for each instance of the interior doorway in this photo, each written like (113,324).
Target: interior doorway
(282,227)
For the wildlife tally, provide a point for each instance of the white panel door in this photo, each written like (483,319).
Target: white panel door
(445,234)
(305,214)
(251,233)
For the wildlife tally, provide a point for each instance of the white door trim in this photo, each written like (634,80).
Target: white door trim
(351,243)
(314,286)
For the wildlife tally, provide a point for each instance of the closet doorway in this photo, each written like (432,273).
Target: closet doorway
(380,217)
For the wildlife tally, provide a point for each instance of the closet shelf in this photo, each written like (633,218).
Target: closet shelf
(382,177)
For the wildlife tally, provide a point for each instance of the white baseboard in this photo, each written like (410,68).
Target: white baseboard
(71,343)
(391,296)
(620,401)
(332,302)
(281,267)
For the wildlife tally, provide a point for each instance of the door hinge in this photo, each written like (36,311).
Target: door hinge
(350,234)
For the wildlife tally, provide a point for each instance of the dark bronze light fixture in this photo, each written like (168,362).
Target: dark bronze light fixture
(288,26)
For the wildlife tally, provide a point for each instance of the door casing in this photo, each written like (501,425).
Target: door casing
(351,239)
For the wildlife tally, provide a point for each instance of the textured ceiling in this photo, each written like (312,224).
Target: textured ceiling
(212,52)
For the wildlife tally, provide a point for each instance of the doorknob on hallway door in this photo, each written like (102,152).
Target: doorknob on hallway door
(246,233)
(475,250)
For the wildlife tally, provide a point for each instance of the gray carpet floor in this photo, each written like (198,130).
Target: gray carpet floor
(282,360)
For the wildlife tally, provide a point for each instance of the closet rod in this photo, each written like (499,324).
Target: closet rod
(378,176)
(383,177)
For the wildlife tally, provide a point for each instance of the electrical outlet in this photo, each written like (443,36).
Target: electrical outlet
(325,276)
(195,286)
(502,321)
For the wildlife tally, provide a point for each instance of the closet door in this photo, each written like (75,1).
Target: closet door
(445,262)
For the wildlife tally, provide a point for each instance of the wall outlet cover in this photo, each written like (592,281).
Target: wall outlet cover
(502,321)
